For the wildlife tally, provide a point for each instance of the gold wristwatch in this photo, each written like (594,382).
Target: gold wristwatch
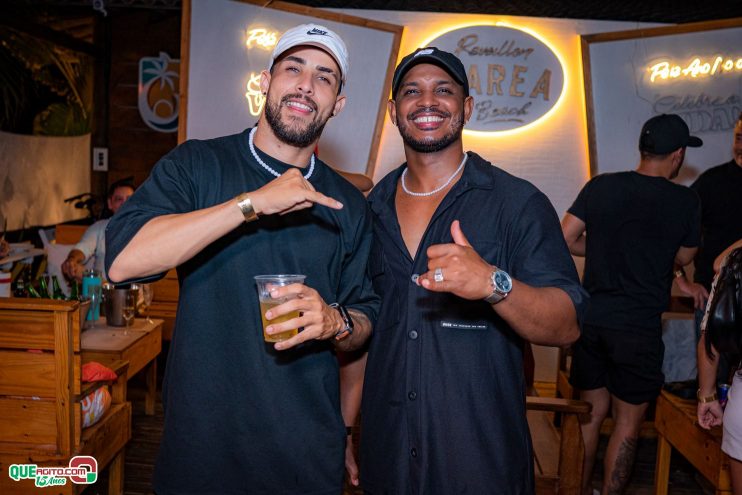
(706,399)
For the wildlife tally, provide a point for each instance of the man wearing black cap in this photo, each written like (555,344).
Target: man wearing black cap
(631,227)
(470,262)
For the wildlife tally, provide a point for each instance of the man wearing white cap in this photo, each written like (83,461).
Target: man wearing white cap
(241,415)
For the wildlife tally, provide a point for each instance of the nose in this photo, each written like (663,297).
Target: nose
(305,84)
(427,99)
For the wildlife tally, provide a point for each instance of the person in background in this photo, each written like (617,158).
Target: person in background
(631,227)
(720,190)
(709,410)
(93,242)
(4,248)
(470,263)
(242,415)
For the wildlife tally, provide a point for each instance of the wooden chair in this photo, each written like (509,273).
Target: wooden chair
(558,452)
(40,393)
(165,302)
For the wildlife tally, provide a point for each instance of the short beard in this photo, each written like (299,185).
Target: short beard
(293,137)
(427,146)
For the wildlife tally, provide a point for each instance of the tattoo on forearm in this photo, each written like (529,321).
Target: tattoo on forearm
(622,468)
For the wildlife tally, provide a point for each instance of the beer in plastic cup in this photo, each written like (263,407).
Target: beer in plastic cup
(265,284)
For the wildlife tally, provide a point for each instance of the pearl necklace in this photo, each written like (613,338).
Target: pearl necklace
(436,190)
(266,166)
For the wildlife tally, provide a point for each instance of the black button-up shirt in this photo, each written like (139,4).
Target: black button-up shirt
(444,395)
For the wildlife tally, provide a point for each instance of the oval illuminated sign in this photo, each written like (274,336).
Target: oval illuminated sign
(514,77)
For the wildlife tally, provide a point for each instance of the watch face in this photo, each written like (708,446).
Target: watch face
(503,282)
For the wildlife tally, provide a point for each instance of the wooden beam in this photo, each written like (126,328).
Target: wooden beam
(28,26)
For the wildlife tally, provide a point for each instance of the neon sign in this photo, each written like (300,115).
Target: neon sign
(515,77)
(695,69)
(262,38)
(255,97)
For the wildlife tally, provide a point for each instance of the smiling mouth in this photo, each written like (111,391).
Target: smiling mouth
(299,106)
(428,119)
(299,103)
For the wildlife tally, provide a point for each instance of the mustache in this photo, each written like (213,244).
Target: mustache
(428,110)
(299,96)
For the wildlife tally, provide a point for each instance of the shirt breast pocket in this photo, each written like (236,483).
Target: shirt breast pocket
(489,248)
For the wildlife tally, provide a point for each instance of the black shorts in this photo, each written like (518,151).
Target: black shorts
(627,362)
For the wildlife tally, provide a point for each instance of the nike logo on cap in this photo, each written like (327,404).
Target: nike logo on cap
(317,31)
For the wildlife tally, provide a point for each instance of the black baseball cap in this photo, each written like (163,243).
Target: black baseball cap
(431,55)
(665,133)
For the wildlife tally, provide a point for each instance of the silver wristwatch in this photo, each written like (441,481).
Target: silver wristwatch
(502,284)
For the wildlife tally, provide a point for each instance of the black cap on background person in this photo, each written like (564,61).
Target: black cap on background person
(666,133)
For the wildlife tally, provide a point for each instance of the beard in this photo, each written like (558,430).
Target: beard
(299,138)
(429,145)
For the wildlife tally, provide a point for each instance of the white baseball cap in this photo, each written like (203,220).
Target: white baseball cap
(314,35)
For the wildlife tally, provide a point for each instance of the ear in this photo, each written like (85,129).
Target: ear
(468,108)
(265,81)
(109,203)
(391,108)
(339,105)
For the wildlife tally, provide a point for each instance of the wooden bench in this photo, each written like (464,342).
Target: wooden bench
(40,393)
(677,427)
(558,452)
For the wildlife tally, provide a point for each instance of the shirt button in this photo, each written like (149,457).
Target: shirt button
(413,334)
(412,395)
(413,452)
(414,278)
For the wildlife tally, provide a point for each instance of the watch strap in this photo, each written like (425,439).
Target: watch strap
(347,321)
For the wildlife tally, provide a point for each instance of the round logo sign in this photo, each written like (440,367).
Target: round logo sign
(514,77)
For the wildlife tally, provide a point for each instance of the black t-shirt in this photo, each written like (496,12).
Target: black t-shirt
(443,399)
(635,225)
(239,416)
(720,190)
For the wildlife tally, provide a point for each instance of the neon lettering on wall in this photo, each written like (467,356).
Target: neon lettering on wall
(261,37)
(255,97)
(696,68)
(515,77)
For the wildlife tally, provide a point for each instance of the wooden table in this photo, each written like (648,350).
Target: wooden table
(139,344)
(677,427)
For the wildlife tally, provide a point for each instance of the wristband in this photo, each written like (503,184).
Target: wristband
(243,201)
(706,399)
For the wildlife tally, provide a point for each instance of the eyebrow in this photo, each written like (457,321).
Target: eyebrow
(320,68)
(440,82)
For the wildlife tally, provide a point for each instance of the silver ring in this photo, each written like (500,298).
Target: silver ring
(438,275)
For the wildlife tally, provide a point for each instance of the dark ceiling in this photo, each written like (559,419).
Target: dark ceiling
(669,11)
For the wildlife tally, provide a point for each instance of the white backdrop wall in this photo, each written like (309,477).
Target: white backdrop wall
(553,154)
(625,95)
(37,173)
